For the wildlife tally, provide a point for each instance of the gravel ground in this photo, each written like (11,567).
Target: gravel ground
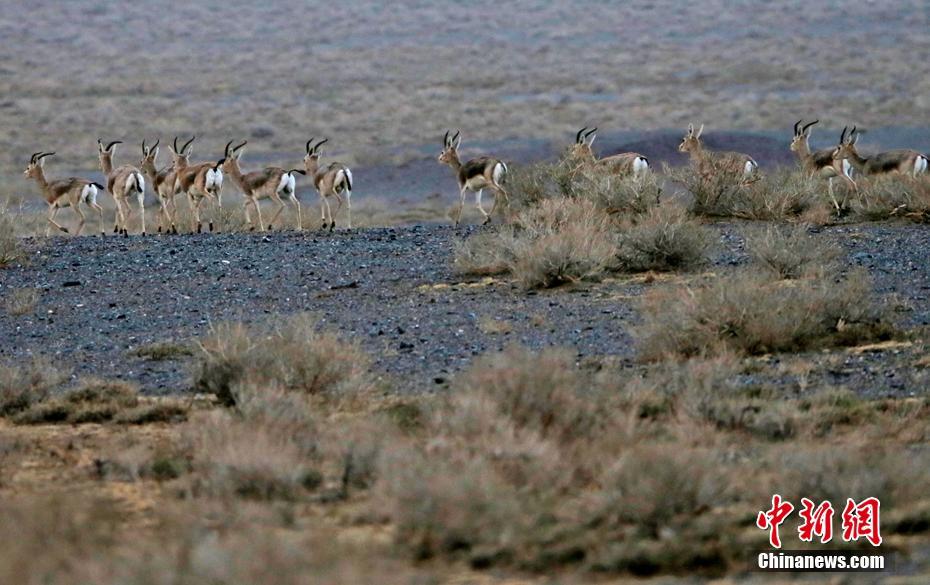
(394,290)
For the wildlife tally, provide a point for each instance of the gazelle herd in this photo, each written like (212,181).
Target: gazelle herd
(203,181)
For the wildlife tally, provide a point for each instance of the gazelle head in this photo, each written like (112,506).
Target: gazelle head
(450,149)
(181,156)
(312,158)
(105,153)
(847,146)
(34,168)
(802,134)
(582,148)
(231,154)
(149,156)
(692,140)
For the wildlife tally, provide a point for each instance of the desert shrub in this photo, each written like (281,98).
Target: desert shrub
(559,241)
(624,196)
(93,401)
(293,353)
(164,351)
(22,301)
(781,195)
(891,196)
(486,253)
(663,239)
(791,253)
(167,411)
(531,185)
(11,250)
(23,386)
(750,314)
(250,457)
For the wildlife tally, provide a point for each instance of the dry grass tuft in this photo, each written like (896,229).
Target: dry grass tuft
(21,387)
(11,251)
(891,197)
(22,301)
(93,401)
(663,239)
(791,252)
(782,195)
(751,314)
(164,351)
(292,352)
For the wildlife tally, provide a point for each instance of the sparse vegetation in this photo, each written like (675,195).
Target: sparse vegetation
(891,197)
(93,401)
(164,351)
(10,248)
(791,253)
(22,301)
(663,239)
(292,352)
(21,387)
(752,314)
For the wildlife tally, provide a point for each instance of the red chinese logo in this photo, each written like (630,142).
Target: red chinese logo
(772,519)
(817,521)
(861,520)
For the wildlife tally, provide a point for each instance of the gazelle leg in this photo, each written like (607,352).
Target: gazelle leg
(349,208)
(196,225)
(117,216)
(458,218)
(832,194)
(323,210)
(300,223)
(248,218)
(487,217)
(277,213)
(332,222)
(141,199)
(77,209)
(96,206)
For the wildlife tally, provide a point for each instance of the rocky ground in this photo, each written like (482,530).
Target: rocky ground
(394,290)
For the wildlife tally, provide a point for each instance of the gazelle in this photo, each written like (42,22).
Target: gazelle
(268,183)
(122,182)
(71,192)
(623,164)
(329,181)
(475,175)
(819,163)
(904,161)
(164,181)
(708,162)
(200,182)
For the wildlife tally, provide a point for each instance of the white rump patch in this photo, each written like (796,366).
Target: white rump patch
(920,165)
(640,166)
(214,179)
(140,183)
(89,195)
(500,169)
(847,168)
(749,167)
(351,180)
(286,184)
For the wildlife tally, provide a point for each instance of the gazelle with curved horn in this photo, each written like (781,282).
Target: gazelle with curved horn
(268,183)
(904,161)
(475,175)
(334,180)
(122,182)
(819,163)
(163,183)
(623,165)
(71,192)
(200,182)
(708,162)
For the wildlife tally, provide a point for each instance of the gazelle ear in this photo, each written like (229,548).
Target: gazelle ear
(456,142)
(700,131)
(690,129)
(154,152)
(855,139)
(590,140)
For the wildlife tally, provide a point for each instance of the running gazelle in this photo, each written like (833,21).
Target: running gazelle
(820,163)
(268,183)
(164,181)
(122,182)
(71,192)
(623,164)
(333,180)
(201,182)
(903,161)
(708,162)
(475,175)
